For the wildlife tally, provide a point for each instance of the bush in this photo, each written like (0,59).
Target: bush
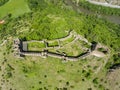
(2,2)
(8,75)
(95,81)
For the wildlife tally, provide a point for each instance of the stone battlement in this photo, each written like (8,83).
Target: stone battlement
(18,50)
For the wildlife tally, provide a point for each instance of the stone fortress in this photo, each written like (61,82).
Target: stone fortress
(20,49)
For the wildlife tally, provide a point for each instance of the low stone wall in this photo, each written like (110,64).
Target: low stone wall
(18,45)
(55,55)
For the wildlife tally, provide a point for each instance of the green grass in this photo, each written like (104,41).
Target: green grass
(52,44)
(72,49)
(68,40)
(33,73)
(14,7)
(84,44)
(35,45)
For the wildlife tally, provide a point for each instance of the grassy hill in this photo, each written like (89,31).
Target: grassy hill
(14,7)
(51,19)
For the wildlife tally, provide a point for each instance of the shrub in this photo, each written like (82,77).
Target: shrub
(2,2)
(95,81)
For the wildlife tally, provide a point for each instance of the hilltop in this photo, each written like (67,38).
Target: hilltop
(50,28)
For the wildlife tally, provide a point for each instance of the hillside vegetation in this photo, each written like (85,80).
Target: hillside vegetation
(50,22)
(52,19)
(2,2)
(13,7)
